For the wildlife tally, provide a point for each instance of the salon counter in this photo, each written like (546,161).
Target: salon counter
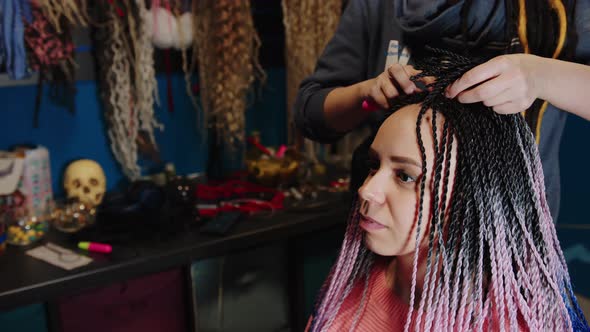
(25,280)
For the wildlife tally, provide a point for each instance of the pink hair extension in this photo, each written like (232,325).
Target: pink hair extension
(360,309)
(510,280)
(335,285)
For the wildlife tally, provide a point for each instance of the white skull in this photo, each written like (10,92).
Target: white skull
(85,180)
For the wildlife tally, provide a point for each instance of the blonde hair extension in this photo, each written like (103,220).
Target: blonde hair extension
(122,131)
(74,12)
(146,86)
(227,53)
(186,67)
(128,86)
(309,25)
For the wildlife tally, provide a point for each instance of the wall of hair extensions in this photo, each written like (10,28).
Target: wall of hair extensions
(82,133)
(66,133)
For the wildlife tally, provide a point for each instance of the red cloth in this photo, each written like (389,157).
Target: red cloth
(237,190)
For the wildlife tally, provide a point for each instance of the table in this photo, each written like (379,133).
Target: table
(25,280)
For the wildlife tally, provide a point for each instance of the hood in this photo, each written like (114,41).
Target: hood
(438,24)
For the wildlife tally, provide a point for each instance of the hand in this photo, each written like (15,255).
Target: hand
(507,83)
(394,81)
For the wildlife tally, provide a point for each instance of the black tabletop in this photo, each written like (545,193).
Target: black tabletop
(25,280)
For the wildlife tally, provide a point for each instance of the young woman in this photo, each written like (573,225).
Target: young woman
(452,230)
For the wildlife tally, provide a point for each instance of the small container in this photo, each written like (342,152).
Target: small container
(23,229)
(72,216)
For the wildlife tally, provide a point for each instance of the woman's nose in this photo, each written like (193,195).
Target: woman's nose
(372,191)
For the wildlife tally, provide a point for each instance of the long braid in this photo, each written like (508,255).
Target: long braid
(488,199)
(438,217)
(419,221)
(443,284)
(502,241)
(429,278)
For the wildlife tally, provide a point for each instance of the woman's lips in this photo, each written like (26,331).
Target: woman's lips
(370,224)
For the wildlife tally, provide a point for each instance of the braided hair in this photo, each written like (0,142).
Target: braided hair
(493,255)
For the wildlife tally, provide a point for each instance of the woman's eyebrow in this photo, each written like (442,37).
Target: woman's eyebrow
(405,160)
(396,159)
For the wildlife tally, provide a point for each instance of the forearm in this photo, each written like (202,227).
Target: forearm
(343,107)
(566,85)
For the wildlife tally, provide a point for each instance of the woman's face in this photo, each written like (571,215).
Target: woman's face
(390,194)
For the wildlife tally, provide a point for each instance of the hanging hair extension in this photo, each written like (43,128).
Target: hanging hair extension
(186,34)
(146,86)
(51,53)
(309,25)
(227,53)
(493,258)
(127,83)
(64,13)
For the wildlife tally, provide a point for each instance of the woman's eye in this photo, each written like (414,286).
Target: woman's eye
(404,177)
(372,164)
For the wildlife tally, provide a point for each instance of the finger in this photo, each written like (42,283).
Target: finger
(506,96)
(507,108)
(411,71)
(485,91)
(388,89)
(399,75)
(379,98)
(477,75)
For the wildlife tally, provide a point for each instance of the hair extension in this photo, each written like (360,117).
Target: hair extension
(179,11)
(64,12)
(493,258)
(114,63)
(183,50)
(51,53)
(227,53)
(146,86)
(127,81)
(309,25)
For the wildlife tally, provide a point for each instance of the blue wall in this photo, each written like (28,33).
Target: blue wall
(575,178)
(573,227)
(83,135)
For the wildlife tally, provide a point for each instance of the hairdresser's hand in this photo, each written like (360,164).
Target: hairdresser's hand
(507,83)
(393,82)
